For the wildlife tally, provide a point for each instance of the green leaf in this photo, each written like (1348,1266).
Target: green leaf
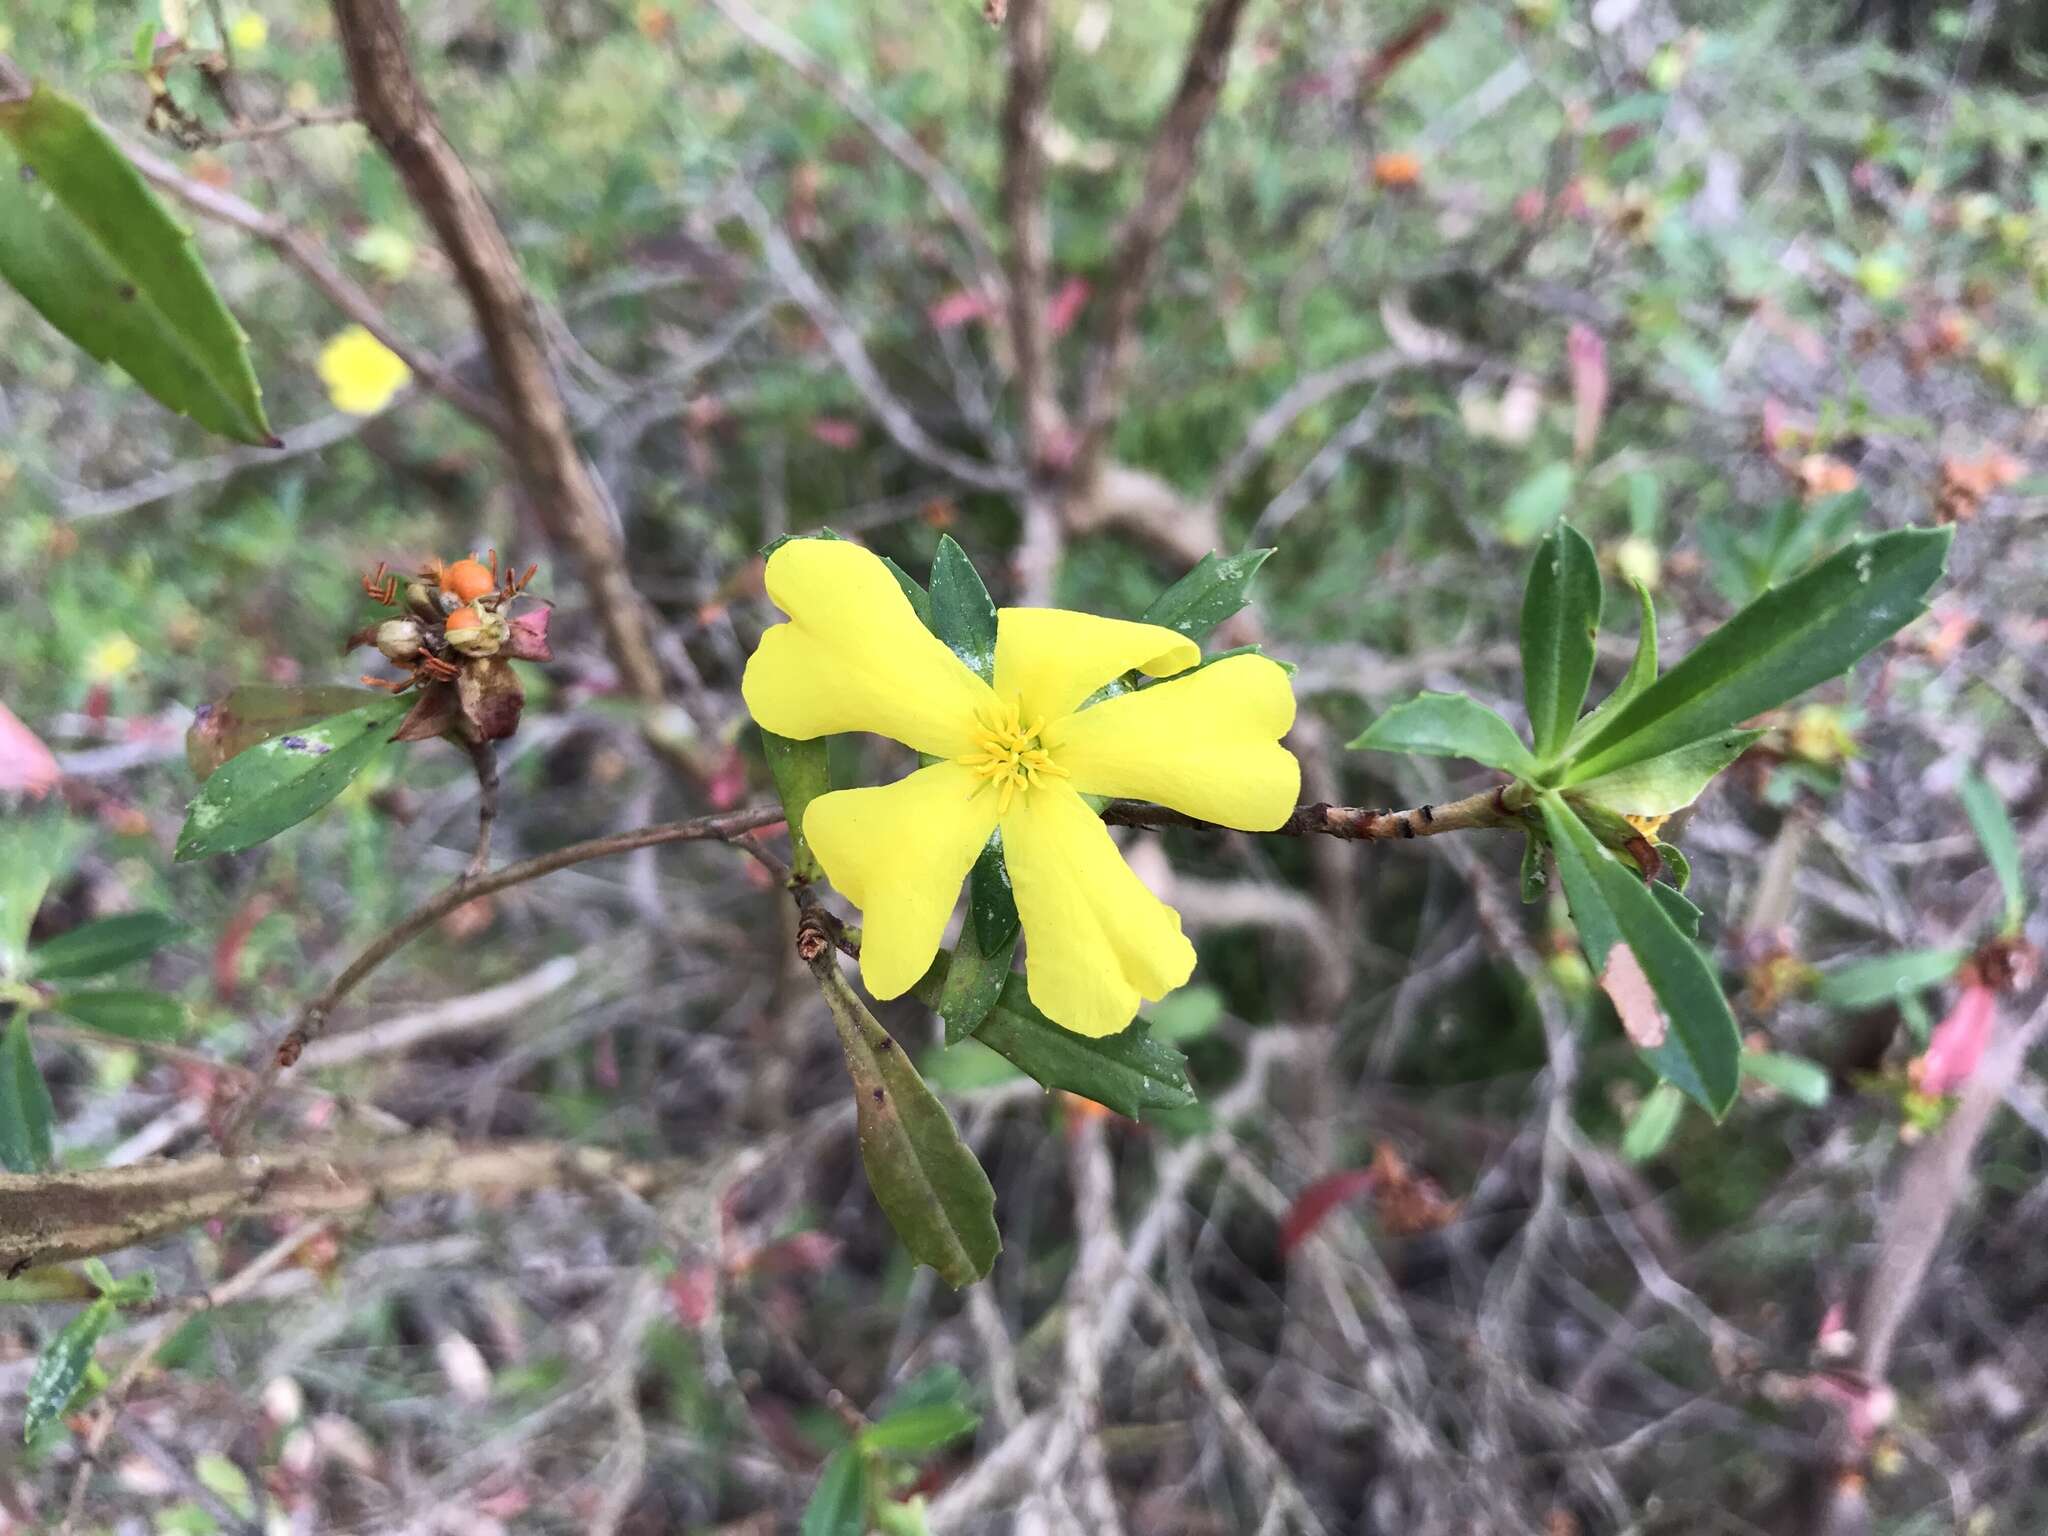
(280,782)
(95,948)
(45,1282)
(1679,867)
(1793,1076)
(1650,1127)
(924,1177)
(1872,983)
(974,979)
(963,615)
(133,1015)
(1534,881)
(34,852)
(1133,1073)
(1683,914)
(802,771)
(86,242)
(1631,940)
(839,1506)
(913,1431)
(990,899)
(1449,725)
(25,1108)
(1642,671)
(256,712)
(1560,622)
(2001,843)
(1536,503)
(920,602)
(1657,786)
(1210,593)
(1805,632)
(62,1366)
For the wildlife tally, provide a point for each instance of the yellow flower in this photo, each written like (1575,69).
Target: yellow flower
(1018,756)
(360,372)
(248,32)
(110,657)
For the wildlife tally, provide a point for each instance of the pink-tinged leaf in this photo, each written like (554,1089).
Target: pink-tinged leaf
(27,767)
(1957,1044)
(805,1253)
(1629,990)
(727,785)
(1588,355)
(957,309)
(529,637)
(1312,1207)
(836,432)
(1066,305)
(693,1293)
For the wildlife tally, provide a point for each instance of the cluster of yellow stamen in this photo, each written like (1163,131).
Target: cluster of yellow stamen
(1007,755)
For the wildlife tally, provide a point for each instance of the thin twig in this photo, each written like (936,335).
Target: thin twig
(1488,808)
(289,122)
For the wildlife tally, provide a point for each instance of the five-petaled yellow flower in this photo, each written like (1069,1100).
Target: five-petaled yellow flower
(360,372)
(1018,756)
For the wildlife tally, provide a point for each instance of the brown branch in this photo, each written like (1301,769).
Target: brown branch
(1488,808)
(51,1218)
(290,122)
(1167,174)
(312,1018)
(564,492)
(306,254)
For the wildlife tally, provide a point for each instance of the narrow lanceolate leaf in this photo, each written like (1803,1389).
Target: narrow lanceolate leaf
(839,1505)
(974,980)
(1560,621)
(1793,1076)
(1811,629)
(917,1430)
(134,1015)
(1642,671)
(920,601)
(255,712)
(802,772)
(95,948)
(990,899)
(963,615)
(281,782)
(1655,975)
(1650,1127)
(86,242)
(35,851)
(1449,725)
(2001,844)
(1210,593)
(1131,1073)
(25,1108)
(62,1366)
(1657,786)
(924,1178)
(1886,978)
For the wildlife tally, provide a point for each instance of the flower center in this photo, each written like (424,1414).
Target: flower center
(1007,753)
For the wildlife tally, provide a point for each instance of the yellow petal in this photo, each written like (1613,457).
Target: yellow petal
(1207,744)
(360,372)
(1097,942)
(854,657)
(900,853)
(1048,660)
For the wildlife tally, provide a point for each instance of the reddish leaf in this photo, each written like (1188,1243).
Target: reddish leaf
(234,938)
(1312,1207)
(693,1293)
(1588,355)
(1066,305)
(529,639)
(1957,1044)
(431,715)
(806,1253)
(27,767)
(727,785)
(836,432)
(491,697)
(957,308)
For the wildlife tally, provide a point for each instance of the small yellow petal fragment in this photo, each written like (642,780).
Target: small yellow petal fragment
(360,372)
(248,32)
(1097,943)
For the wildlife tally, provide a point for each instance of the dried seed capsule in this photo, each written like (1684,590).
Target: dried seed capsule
(476,631)
(399,640)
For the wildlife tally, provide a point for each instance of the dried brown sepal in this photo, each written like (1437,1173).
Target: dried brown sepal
(433,713)
(490,697)
(367,635)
